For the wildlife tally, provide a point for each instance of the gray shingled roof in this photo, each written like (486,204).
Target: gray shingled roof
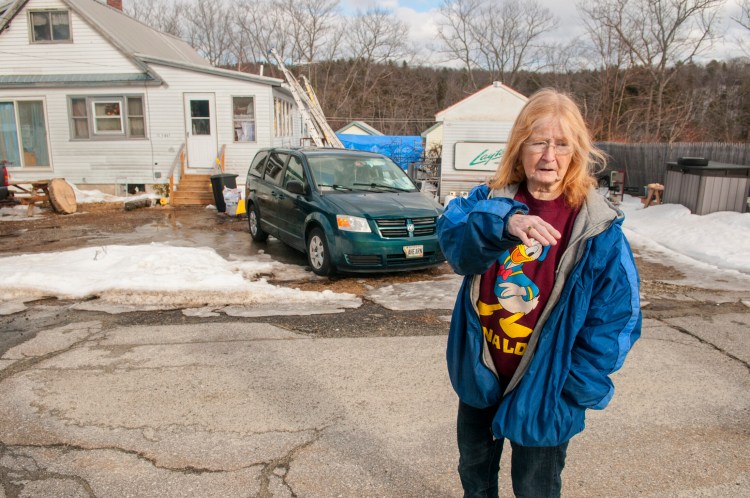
(133,37)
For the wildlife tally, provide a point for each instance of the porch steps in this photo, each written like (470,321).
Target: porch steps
(193,190)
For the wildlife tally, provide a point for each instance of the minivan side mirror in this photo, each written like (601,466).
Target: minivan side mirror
(296,187)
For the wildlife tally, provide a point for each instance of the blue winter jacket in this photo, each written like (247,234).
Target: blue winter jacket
(588,325)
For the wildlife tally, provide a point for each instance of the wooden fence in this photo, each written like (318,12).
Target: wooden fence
(647,163)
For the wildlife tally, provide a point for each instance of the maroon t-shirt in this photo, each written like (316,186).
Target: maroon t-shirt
(514,291)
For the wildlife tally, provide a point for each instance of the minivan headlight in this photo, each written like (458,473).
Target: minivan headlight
(352,223)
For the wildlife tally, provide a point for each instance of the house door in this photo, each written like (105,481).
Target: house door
(200,130)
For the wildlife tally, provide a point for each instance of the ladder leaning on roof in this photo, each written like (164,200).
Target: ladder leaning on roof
(320,118)
(309,108)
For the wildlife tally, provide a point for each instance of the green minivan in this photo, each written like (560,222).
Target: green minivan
(348,210)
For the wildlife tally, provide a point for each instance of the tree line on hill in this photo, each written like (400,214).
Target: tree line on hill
(634,72)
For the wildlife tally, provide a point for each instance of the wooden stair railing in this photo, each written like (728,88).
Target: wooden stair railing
(193,189)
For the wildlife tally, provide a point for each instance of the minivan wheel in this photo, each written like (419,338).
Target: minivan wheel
(253,220)
(317,253)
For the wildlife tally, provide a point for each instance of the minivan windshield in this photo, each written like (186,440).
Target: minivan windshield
(346,173)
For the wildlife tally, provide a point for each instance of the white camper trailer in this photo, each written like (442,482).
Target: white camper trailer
(475,131)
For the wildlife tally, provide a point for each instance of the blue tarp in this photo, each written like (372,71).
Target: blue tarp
(403,150)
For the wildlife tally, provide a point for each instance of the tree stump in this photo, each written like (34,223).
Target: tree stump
(62,196)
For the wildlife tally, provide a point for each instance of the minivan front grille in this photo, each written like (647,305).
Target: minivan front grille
(393,228)
(364,260)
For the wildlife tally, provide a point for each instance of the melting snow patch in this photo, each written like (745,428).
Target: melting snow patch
(154,275)
(432,294)
(10,307)
(285,309)
(206,312)
(116,309)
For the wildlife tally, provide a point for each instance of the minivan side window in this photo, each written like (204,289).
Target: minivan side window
(294,171)
(259,163)
(275,166)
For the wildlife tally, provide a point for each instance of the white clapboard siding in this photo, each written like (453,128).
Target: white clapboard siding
(467,131)
(138,161)
(485,116)
(117,161)
(167,113)
(88,53)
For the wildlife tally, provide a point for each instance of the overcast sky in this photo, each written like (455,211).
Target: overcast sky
(421,15)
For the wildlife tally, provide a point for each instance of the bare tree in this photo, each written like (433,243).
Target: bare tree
(376,35)
(610,58)
(260,25)
(210,30)
(507,38)
(658,35)
(743,19)
(310,23)
(499,38)
(456,32)
(373,40)
(162,15)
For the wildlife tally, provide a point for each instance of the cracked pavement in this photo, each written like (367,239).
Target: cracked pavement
(353,404)
(256,410)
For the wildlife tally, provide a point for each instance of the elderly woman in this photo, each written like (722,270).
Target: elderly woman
(549,305)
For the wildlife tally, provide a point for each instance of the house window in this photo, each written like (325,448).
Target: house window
(282,118)
(23,134)
(107,117)
(243,113)
(50,26)
(200,117)
(94,118)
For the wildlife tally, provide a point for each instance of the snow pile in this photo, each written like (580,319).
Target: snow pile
(155,274)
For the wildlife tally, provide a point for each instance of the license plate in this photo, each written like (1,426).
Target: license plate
(414,251)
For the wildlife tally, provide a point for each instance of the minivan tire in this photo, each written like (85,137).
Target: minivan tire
(253,221)
(318,255)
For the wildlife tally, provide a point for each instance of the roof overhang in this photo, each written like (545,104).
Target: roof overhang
(226,73)
(77,80)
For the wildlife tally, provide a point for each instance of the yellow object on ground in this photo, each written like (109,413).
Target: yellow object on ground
(240,208)
(163,201)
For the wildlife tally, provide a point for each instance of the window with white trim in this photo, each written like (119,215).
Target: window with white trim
(243,115)
(107,117)
(23,134)
(282,118)
(49,26)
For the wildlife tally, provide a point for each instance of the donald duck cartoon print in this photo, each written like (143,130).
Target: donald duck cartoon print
(517,295)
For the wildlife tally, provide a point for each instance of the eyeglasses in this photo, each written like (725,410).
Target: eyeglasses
(540,147)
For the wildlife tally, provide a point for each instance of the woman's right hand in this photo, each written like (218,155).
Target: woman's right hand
(529,228)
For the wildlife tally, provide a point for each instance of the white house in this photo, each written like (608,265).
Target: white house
(358,128)
(433,139)
(91,95)
(475,131)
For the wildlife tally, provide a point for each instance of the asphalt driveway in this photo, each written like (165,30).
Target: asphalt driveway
(352,404)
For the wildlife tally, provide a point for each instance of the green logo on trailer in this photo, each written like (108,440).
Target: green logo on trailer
(486,156)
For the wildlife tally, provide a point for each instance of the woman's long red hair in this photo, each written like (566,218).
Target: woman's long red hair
(544,105)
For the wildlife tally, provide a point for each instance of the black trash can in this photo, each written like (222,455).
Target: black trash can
(218,182)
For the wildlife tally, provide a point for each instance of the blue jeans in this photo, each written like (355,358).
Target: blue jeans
(535,471)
